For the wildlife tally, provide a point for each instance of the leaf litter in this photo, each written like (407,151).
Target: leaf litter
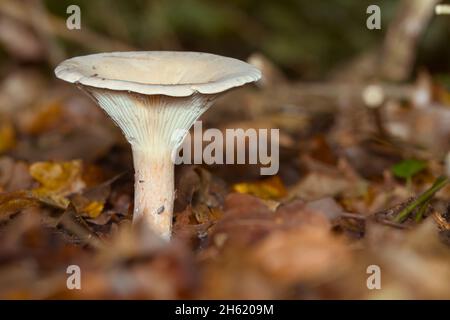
(311,231)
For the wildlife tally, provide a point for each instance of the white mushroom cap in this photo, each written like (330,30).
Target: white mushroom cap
(170,73)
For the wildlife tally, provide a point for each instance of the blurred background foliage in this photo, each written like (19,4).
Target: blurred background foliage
(305,38)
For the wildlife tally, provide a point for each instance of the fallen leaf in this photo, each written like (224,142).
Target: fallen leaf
(271,188)
(406,169)
(93,209)
(91,201)
(13,202)
(57,179)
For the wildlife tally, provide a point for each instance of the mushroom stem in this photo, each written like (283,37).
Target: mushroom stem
(153,191)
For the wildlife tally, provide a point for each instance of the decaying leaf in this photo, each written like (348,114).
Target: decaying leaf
(93,209)
(91,201)
(57,179)
(14,202)
(271,188)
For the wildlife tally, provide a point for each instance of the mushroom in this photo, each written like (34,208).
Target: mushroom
(155,97)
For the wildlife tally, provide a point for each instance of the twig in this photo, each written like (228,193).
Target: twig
(422,199)
(393,224)
(79,228)
(350,215)
(403,35)
(422,210)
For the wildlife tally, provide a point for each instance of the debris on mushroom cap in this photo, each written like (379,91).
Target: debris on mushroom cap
(170,73)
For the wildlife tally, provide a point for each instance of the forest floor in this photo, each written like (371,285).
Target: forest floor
(354,197)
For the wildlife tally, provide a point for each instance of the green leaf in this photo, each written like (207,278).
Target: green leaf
(406,169)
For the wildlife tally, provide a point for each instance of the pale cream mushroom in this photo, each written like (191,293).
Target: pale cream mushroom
(151,96)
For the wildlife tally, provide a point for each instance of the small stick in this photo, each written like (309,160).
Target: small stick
(350,215)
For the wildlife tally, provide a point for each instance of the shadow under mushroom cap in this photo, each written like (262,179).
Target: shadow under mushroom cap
(171,73)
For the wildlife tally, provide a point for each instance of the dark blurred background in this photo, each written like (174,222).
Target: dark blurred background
(307,39)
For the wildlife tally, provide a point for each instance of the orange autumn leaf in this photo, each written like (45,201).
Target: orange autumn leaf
(57,179)
(94,209)
(271,188)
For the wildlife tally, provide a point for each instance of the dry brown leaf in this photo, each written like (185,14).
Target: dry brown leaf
(308,253)
(14,202)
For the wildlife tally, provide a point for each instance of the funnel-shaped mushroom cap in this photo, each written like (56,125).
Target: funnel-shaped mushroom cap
(176,74)
(153,95)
